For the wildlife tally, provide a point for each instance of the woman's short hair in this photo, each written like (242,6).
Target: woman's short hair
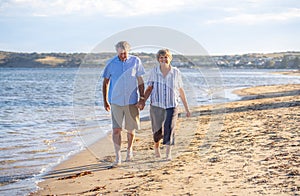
(124,45)
(164,52)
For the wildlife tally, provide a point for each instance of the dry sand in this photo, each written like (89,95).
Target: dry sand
(251,149)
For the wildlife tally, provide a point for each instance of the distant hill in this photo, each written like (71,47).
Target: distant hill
(282,60)
(13,59)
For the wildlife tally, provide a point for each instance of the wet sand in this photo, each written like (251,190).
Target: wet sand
(248,147)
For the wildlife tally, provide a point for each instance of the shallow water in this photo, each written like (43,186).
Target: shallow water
(43,109)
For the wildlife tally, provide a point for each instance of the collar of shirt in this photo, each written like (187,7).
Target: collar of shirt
(117,58)
(158,71)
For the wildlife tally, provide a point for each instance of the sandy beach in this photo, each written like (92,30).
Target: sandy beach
(293,73)
(248,147)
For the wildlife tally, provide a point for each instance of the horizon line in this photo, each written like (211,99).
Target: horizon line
(147,52)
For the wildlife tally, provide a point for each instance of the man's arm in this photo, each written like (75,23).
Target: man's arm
(105,94)
(141,87)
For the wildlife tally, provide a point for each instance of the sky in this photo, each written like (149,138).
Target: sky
(221,26)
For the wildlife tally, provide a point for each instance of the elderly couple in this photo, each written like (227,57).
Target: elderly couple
(124,96)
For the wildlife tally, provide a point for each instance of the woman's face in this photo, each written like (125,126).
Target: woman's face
(164,60)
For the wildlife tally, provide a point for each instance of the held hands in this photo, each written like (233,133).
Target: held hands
(141,104)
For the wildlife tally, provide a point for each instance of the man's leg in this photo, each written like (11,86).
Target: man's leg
(116,137)
(117,113)
(130,139)
(132,123)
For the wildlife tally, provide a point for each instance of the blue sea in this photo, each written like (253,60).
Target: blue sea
(48,114)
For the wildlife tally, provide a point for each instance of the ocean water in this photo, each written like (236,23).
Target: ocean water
(49,114)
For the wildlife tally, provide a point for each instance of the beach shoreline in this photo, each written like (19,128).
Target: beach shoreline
(255,152)
(290,73)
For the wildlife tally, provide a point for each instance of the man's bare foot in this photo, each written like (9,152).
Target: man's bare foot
(129,156)
(115,164)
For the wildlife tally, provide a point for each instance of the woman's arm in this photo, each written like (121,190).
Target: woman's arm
(148,92)
(184,101)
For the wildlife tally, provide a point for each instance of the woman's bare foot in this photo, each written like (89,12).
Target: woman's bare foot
(157,152)
(168,153)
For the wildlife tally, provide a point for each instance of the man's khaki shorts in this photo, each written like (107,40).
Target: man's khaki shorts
(129,113)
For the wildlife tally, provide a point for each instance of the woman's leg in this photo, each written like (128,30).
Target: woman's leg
(169,130)
(168,153)
(156,149)
(157,118)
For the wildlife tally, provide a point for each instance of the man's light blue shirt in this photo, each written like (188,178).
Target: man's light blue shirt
(123,84)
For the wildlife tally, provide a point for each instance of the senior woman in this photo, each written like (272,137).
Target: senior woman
(164,89)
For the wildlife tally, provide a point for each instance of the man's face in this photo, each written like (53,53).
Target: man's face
(123,54)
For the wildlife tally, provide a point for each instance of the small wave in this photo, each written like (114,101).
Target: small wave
(13,147)
(4,180)
(49,142)
(36,158)
(8,161)
(74,132)
(40,150)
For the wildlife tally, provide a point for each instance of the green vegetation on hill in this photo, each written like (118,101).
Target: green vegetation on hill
(13,59)
(283,60)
